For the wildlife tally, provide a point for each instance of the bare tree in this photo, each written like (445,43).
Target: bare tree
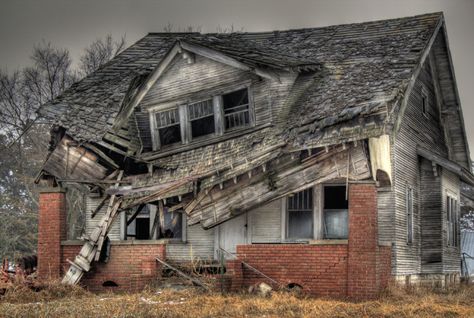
(100,52)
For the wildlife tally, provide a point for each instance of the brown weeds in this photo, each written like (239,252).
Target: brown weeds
(62,301)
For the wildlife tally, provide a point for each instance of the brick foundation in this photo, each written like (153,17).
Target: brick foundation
(51,231)
(130,266)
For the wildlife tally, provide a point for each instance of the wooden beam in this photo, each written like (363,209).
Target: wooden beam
(193,280)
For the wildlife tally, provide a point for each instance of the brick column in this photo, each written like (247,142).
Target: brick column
(51,231)
(363,241)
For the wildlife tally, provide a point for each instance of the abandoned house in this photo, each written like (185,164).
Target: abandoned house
(325,158)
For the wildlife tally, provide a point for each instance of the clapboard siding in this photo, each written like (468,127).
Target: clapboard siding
(431,218)
(199,245)
(416,129)
(92,223)
(265,223)
(451,255)
(452,114)
(385,207)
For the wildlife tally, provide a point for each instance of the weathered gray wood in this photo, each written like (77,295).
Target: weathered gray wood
(193,280)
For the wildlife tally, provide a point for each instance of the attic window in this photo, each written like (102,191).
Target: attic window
(424,101)
(201,117)
(236,109)
(168,127)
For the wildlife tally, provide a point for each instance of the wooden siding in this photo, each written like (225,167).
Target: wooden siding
(452,113)
(431,218)
(92,223)
(198,246)
(450,184)
(265,223)
(416,129)
(385,208)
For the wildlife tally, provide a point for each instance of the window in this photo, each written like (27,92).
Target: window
(213,116)
(335,213)
(424,101)
(201,117)
(409,212)
(236,109)
(168,127)
(300,215)
(139,228)
(452,221)
(172,225)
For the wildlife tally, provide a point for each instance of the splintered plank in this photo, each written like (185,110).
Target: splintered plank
(193,280)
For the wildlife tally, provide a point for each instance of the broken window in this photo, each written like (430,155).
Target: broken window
(168,127)
(452,221)
(335,212)
(236,109)
(139,228)
(172,227)
(300,215)
(201,117)
(409,211)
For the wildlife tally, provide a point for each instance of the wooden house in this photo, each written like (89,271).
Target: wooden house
(326,158)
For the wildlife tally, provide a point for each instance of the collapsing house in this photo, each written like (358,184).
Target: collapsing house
(326,158)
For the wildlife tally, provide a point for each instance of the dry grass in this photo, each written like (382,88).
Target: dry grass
(60,301)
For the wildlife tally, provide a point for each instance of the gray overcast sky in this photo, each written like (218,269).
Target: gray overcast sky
(74,24)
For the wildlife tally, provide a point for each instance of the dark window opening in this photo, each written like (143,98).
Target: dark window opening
(236,109)
(169,135)
(172,226)
(139,228)
(109,283)
(168,127)
(142,229)
(300,215)
(335,213)
(201,116)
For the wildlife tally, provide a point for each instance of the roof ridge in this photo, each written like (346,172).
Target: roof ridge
(432,14)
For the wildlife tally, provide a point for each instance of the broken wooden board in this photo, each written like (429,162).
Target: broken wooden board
(351,163)
(71,161)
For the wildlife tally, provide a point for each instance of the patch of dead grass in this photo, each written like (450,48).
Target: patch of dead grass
(62,301)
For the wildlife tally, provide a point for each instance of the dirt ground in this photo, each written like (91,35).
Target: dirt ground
(61,301)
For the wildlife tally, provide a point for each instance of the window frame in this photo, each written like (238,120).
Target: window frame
(152,215)
(452,221)
(318,216)
(154,129)
(287,217)
(185,122)
(322,233)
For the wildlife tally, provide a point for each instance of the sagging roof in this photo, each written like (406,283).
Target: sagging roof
(364,69)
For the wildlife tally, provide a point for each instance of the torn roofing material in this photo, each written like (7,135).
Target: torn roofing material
(364,67)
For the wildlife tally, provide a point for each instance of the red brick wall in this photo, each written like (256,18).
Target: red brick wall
(130,266)
(363,241)
(320,269)
(51,231)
